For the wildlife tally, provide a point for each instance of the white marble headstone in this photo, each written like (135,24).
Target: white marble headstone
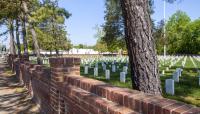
(122,77)
(113,68)
(104,67)
(125,69)
(163,72)
(167,69)
(95,71)
(86,70)
(107,74)
(176,76)
(96,65)
(169,86)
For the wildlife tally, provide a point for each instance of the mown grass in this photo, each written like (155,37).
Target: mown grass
(187,90)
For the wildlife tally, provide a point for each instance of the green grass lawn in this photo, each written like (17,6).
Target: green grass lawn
(187,90)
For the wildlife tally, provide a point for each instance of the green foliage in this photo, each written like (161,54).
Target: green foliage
(174,31)
(83,46)
(101,46)
(191,38)
(45,17)
(158,35)
(114,26)
(49,20)
(182,35)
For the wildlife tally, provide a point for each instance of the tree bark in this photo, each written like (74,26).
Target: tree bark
(36,46)
(12,44)
(25,43)
(140,45)
(34,36)
(17,38)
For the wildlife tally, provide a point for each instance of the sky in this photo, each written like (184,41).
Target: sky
(86,14)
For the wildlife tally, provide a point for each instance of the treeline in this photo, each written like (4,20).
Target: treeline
(182,35)
(35,24)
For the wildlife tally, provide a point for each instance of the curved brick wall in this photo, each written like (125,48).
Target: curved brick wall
(61,90)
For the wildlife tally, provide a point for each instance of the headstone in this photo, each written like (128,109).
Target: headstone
(104,67)
(125,69)
(114,61)
(95,72)
(86,70)
(96,65)
(176,76)
(107,74)
(90,66)
(102,64)
(169,86)
(122,77)
(179,70)
(113,68)
(167,69)
(163,72)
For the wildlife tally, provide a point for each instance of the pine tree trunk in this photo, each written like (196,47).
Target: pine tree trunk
(36,46)
(34,36)
(12,43)
(140,45)
(17,38)
(25,43)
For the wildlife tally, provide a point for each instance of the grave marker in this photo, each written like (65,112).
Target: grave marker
(125,69)
(169,86)
(104,67)
(113,68)
(86,70)
(107,74)
(122,77)
(176,76)
(95,72)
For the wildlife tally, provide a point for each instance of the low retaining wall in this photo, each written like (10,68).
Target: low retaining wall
(61,90)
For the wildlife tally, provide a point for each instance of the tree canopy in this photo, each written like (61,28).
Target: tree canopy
(182,35)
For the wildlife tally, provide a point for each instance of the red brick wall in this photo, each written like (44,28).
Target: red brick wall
(61,90)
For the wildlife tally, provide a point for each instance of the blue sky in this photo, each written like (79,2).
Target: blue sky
(88,13)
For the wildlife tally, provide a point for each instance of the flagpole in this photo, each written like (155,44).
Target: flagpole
(164,31)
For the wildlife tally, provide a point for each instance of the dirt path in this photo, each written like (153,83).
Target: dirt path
(14,99)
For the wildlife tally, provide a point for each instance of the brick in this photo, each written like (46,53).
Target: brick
(182,109)
(165,102)
(195,110)
(170,108)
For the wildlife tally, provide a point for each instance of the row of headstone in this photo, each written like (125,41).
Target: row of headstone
(107,73)
(177,74)
(169,83)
